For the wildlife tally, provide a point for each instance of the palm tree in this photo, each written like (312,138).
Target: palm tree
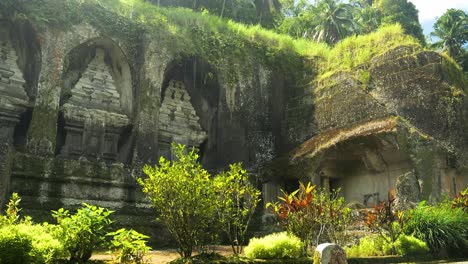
(334,21)
(452,30)
(266,8)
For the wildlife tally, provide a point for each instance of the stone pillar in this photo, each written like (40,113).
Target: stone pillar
(6,159)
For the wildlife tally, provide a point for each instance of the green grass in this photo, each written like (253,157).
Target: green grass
(217,40)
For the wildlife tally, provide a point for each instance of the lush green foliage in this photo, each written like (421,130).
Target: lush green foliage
(388,222)
(29,243)
(442,227)
(461,200)
(182,193)
(83,232)
(403,12)
(357,51)
(21,241)
(12,211)
(129,246)
(379,246)
(312,215)
(410,246)
(451,29)
(237,199)
(14,248)
(274,246)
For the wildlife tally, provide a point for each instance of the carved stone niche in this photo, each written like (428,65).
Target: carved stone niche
(13,98)
(178,120)
(93,115)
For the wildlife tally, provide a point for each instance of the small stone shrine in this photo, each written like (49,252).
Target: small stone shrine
(178,121)
(13,98)
(93,115)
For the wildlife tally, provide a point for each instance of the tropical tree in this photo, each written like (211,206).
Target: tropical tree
(182,193)
(334,21)
(366,17)
(452,31)
(402,12)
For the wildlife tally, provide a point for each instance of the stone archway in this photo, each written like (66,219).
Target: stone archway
(96,104)
(20,60)
(189,109)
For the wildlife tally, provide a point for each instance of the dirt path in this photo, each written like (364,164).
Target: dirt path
(166,255)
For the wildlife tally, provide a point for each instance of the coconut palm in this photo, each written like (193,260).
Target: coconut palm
(452,30)
(334,21)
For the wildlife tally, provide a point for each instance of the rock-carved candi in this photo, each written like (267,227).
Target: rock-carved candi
(13,98)
(93,115)
(178,120)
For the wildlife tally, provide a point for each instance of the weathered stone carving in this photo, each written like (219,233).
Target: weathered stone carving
(93,115)
(178,121)
(330,254)
(407,191)
(13,98)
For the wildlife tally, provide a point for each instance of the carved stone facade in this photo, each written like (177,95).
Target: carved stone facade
(13,98)
(178,120)
(93,115)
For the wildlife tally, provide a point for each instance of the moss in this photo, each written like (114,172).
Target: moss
(330,138)
(316,258)
(180,30)
(42,131)
(356,52)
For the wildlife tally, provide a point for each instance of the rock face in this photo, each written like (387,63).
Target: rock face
(331,254)
(409,117)
(407,191)
(84,106)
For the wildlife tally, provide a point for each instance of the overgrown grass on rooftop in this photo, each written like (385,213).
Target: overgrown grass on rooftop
(357,51)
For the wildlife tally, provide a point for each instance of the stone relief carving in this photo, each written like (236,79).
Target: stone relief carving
(13,98)
(93,115)
(178,120)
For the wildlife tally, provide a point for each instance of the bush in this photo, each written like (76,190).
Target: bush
(380,246)
(237,199)
(387,222)
(312,215)
(274,246)
(410,246)
(11,213)
(442,228)
(25,243)
(368,246)
(129,245)
(82,232)
(183,195)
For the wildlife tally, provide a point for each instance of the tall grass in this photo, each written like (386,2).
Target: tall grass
(445,230)
(356,51)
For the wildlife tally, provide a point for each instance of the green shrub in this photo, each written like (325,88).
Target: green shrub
(312,215)
(26,243)
(184,196)
(82,232)
(380,246)
(274,246)
(11,213)
(14,248)
(129,246)
(442,228)
(410,246)
(369,246)
(237,199)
